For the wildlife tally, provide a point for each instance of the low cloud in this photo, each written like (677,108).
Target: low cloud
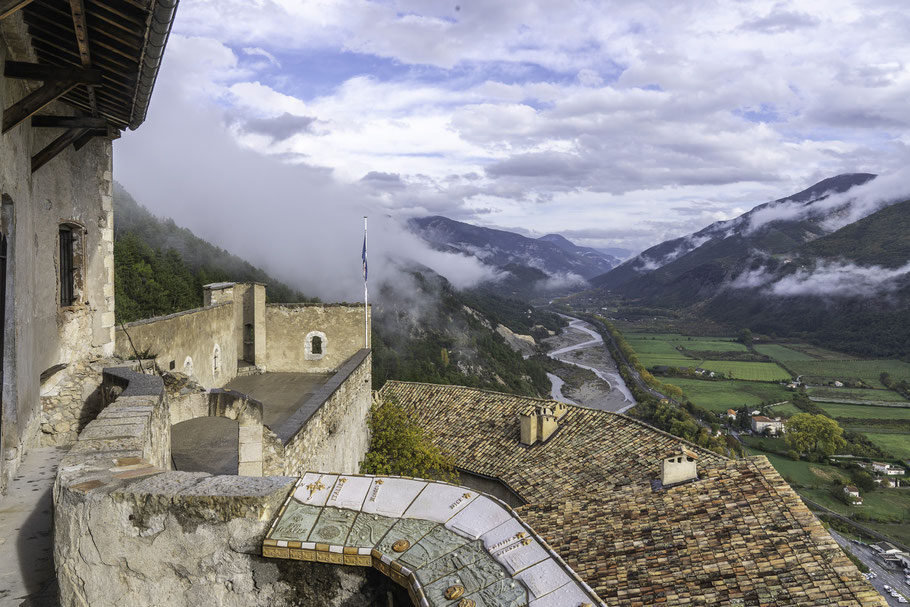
(826,279)
(839,209)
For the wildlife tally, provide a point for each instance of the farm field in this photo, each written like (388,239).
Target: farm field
(819,371)
(860,394)
(782,353)
(802,473)
(722,395)
(896,444)
(818,353)
(747,370)
(880,504)
(865,411)
(785,410)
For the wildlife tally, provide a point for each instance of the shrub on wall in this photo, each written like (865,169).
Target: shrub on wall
(399,446)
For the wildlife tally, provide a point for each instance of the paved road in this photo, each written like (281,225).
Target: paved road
(891,577)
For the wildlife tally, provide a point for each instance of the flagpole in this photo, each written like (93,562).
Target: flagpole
(366,307)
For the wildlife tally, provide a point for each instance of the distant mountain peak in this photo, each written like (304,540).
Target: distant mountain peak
(553,254)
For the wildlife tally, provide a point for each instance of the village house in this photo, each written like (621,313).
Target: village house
(760,424)
(888,469)
(852,495)
(731,413)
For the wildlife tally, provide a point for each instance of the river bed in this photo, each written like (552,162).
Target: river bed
(581,345)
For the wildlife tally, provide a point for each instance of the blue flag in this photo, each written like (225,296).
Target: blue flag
(364,257)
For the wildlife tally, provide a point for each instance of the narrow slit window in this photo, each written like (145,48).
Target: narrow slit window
(316,345)
(67,266)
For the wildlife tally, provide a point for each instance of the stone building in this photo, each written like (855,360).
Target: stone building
(74,76)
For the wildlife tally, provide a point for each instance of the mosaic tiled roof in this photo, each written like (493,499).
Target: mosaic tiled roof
(446,544)
(738,535)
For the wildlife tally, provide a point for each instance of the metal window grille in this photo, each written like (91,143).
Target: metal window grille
(67,269)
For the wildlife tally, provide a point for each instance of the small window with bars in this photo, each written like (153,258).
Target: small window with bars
(68,270)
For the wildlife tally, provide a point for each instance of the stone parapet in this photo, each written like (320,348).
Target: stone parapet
(129,531)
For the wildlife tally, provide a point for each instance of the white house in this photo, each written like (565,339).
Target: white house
(888,469)
(853,496)
(760,423)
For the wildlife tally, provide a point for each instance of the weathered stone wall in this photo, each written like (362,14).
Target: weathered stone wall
(190,337)
(76,188)
(288,325)
(71,402)
(334,437)
(129,532)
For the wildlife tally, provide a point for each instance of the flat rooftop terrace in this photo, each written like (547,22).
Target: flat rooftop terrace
(281,394)
(209,444)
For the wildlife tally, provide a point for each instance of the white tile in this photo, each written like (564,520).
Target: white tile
(439,502)
(351,493)
(478,517)
(336,549)
(391,496)
(570,594)
(315,488)
(512,546)
(543,578)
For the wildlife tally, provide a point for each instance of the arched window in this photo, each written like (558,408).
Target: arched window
(315,345)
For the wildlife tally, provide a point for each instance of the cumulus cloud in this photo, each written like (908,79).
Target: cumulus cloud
(826,279)
(557,120)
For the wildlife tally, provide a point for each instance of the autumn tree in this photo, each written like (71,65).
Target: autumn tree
(808,433)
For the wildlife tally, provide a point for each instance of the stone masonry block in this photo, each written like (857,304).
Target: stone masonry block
(250,434)
(250,452)
(249,468)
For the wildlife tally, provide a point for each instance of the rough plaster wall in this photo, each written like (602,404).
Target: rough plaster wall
(287,324)
(335,438)
(193,333)
(74,186)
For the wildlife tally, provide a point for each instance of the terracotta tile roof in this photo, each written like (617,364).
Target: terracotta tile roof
(738,535)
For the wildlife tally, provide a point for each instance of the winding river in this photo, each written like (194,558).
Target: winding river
(608,373)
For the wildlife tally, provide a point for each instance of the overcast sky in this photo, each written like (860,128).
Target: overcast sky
(614,123)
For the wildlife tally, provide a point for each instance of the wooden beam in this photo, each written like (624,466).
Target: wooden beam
(34,102)
(69,122)
(81,29)
(51,73)
(55,147)
(57,82)
(84,139)
(8,7)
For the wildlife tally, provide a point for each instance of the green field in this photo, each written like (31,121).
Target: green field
(881,504)
(720,344)
(722,395)
(865,411)
(804,474)
(747,370)
(818,353)
(819,371)
(865,394)
(781,353)
(785,410)
(897,445)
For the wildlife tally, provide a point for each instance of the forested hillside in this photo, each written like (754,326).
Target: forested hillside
(425,332)
(160,268)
